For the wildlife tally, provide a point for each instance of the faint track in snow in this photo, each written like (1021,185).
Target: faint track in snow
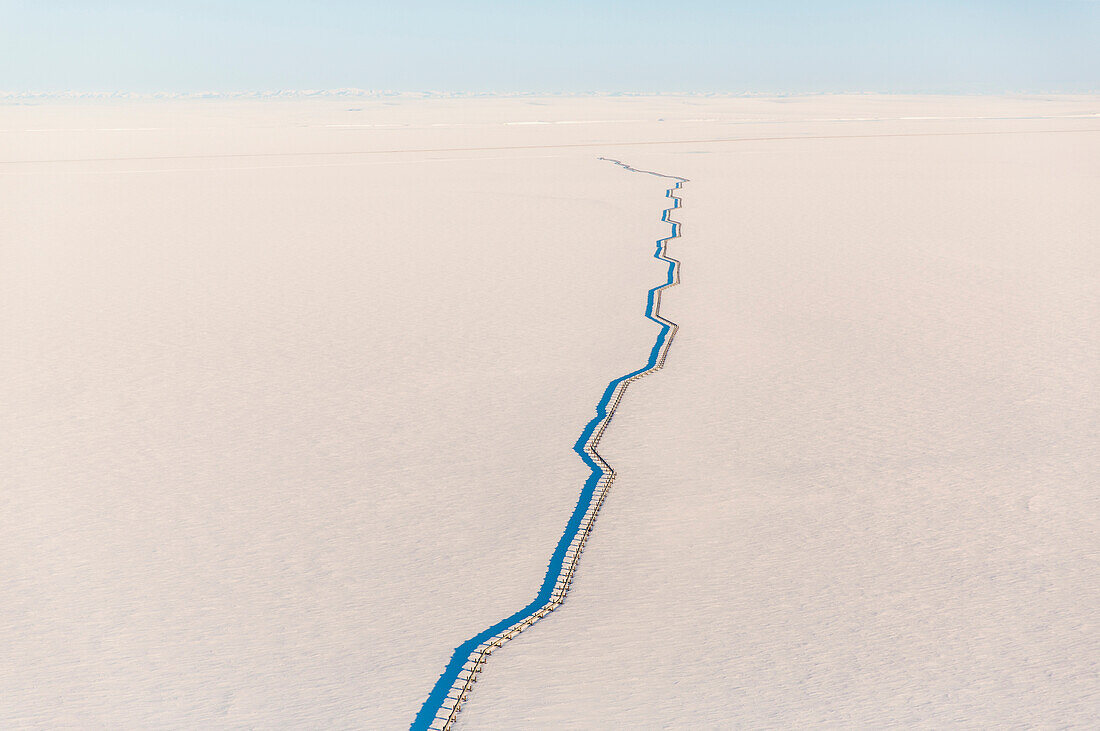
(452,689)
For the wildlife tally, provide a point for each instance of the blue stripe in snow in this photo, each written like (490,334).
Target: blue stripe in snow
(438,695)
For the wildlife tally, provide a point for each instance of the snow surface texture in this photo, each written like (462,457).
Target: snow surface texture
(290,389)
(865,491)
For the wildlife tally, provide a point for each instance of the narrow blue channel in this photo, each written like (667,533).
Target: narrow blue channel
(436,698)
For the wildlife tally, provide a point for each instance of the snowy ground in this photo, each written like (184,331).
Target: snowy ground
(291,387)
(865,491)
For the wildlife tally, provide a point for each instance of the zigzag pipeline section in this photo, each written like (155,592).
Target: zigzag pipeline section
(443,704)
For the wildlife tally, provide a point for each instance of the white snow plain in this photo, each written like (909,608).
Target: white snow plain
(290,389)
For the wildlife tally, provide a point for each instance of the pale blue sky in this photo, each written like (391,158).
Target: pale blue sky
(566,45)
